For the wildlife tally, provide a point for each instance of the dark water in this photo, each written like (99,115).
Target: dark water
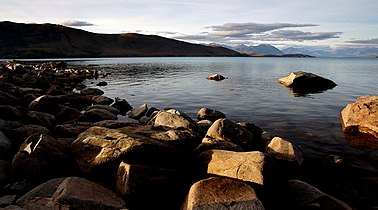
(252,93)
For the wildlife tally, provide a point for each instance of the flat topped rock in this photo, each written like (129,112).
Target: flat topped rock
(361,116)
(305,82)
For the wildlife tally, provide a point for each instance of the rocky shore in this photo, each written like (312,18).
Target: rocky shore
(63,147)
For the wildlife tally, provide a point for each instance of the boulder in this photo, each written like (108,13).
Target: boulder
(100,148)
(254,129)
(162,188)
(46,104)
(41,118)
(8,112)
(304,82)
(209,114)
(103,100)
(305,196)
(253,167)
(216,77)
(122,105)
(71,130)
(138,113)
(213,144)
(183,139)
(41,158)
(361,117)
(172,119)
(221,193)
(282,149)
(91,91)
(69,115)
(113,124)
(95,115)
(224,129)
(70,193)
(111,109)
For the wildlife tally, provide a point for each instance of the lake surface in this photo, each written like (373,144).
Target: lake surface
(252,93)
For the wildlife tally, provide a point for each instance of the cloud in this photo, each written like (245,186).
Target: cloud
(365,41)
(245,29)
(295,35)
(76,23)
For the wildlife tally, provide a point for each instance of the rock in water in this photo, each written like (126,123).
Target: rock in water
(216,77)
(304,82)
(282,149)
(361,116)
(221,193)
(209,114)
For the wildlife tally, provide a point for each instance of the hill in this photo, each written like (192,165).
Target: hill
(18,40)
(259,49)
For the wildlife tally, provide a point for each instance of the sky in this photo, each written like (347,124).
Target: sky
(323,23)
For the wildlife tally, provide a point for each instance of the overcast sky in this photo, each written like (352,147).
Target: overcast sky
(279,22)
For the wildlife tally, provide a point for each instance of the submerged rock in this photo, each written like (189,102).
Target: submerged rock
(304,82)
(361,116)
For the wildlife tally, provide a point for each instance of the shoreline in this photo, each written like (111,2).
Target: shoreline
(73,99)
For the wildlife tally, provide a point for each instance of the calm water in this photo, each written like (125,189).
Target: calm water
(252,93)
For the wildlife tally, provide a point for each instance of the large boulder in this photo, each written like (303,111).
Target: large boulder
(221,193)
(69,115)
(209,114)
(162,188)
(70,193)
(304,196)
(98,148)
(224,129)
(304,82)
(45,103)
(361,117)
(41,158)
(255,167)
(173,119)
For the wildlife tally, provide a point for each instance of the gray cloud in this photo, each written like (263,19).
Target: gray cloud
(245,29)
(295,35)
(365,41)
(76,23)
(230,33)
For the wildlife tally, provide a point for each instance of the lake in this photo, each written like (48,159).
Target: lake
(252,93)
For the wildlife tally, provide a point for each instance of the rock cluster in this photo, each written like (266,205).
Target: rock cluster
(61,149)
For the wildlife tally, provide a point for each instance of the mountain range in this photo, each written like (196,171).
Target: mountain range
(18,40)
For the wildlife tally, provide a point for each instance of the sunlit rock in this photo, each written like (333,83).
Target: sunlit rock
(209,114)
(361,116)
(221,193)
(283,149)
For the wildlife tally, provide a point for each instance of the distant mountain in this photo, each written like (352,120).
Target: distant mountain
(331,52)
(259,49)
(18,40)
